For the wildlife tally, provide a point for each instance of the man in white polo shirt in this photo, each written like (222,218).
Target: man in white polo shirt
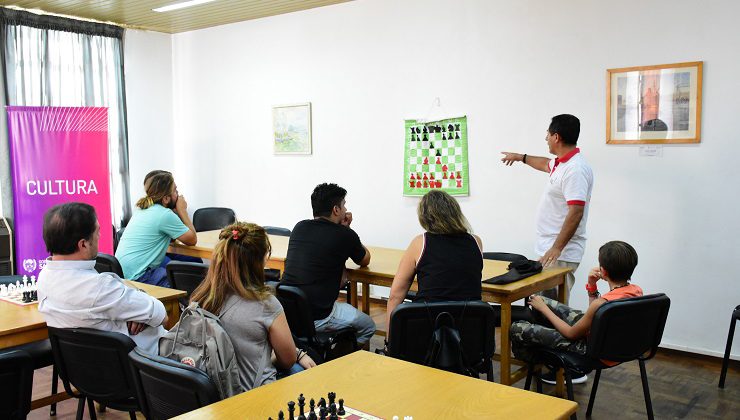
(73,295)
(563,210)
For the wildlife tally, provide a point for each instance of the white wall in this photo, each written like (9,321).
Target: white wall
(148,72)
(509,66)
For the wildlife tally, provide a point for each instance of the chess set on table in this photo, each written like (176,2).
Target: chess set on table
(23,294)
(323,410)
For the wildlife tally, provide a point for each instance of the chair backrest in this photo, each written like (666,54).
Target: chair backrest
(412,325)
(186,275)
(117,237)
(274,230)
(503,256)
(297,311)
(213,218)
(95,362)
(167,388)
(106,263)
(627,329)
(16,380)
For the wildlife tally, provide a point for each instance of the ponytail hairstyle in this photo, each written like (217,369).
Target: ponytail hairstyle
(237,267)
(157,185)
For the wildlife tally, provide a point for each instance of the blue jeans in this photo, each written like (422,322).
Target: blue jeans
(345,315)
(155,276)
(158,276)
(296,368)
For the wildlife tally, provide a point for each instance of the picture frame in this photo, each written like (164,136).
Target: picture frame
(291,128)
(658,104)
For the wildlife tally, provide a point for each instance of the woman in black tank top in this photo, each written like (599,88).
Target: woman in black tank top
(446,260)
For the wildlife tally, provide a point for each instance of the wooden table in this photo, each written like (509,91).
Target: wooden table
(382,269)
(386,387)
(25,324)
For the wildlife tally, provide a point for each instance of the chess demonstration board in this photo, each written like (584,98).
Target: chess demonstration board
(436,157)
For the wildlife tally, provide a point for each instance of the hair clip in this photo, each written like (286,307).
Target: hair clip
(235,233)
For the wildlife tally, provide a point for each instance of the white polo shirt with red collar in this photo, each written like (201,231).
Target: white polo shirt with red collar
(570,183)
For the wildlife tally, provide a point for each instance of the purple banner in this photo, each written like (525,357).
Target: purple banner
(58,155)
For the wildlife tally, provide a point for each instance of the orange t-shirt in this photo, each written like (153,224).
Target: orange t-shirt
(624,292)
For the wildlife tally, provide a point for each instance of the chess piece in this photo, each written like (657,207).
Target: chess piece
(322,402)
(457,127)
(281,415)
(418,130)
(341,411)
(437,128)
(301,405)
(332,397)
(425,130)
(450,128)
(426,138)
(311,408)
(322,413)
(457,136)
(333,408)
(444,137)
(291,410)
(333,417)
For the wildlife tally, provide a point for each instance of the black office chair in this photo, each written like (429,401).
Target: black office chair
(212,218)
(16,383)
(41,357)
(40,351)
(96,363)
(412,326)
(186,276)
(273,230)
(518,313)
(327,346)
(728,347)
(167,388)
(117,237)
(106,263)
(622,330)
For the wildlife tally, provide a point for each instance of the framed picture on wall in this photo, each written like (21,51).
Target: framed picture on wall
(654,104)
(291,127)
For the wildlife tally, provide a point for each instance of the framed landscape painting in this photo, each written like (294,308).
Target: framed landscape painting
(654,104)
(291,126)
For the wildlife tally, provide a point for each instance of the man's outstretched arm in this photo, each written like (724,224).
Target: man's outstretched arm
(537,162)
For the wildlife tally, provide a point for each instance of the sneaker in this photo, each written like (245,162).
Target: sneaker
(549,378)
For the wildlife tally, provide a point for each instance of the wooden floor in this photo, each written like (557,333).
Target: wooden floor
(682,387)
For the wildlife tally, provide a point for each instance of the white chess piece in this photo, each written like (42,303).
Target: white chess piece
(33,279)
(25,278)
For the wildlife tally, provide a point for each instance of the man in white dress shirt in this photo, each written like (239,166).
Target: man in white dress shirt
(72,294)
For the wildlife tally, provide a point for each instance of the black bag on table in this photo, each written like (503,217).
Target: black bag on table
(517,270)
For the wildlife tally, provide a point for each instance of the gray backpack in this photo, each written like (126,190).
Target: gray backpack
(199,340)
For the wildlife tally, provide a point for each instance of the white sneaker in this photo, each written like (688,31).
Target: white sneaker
(549,378)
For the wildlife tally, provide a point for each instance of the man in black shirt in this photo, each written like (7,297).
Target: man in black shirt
(317,252)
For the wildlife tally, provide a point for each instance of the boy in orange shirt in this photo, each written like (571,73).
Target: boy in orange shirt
(568,328)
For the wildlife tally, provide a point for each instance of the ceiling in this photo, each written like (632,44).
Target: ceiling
(138,13)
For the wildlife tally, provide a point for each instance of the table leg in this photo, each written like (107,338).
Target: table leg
(505,343)
(173,313)
(559,377)
(352,293)
(366,298)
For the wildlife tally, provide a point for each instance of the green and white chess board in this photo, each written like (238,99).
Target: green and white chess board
(436,157)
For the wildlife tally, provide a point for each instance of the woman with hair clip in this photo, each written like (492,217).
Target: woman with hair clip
(235,290)
(446,259)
